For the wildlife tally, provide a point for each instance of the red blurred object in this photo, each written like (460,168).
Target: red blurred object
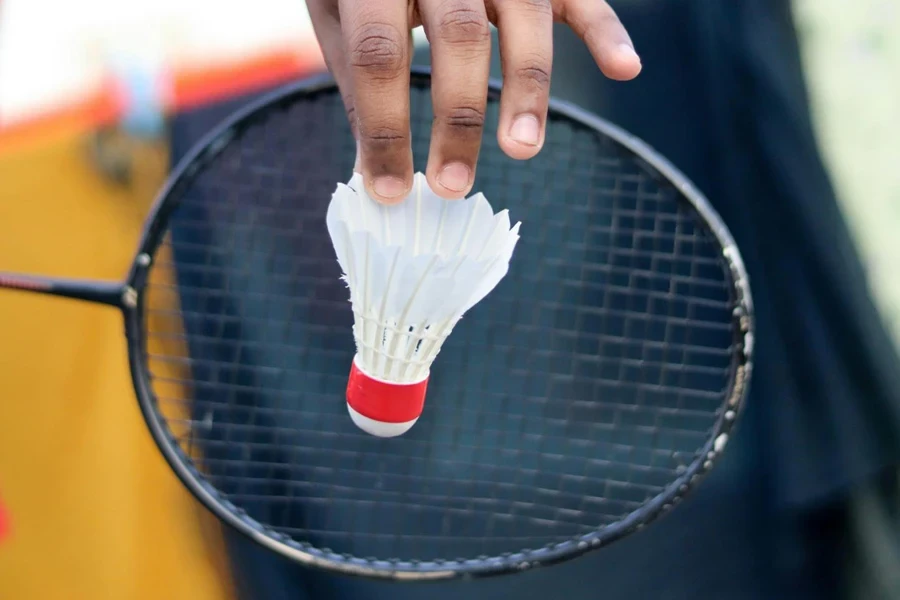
(4,521)
(189,88)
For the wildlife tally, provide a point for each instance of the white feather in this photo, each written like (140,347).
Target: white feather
(414,269)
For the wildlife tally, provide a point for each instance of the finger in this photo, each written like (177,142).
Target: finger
(376,43)
(326,23)
(460,39)
(598,26)
(526,53)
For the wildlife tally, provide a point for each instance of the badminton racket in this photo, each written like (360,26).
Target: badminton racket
(580,400)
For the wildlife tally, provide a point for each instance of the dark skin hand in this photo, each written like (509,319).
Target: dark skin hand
(368,49)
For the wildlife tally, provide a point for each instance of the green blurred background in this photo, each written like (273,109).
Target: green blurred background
(852,61)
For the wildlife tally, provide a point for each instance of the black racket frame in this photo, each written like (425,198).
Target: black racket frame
(129,298)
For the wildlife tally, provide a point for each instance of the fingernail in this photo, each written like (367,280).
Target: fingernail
(627,50)
(455,177)
(389,187)
(526,129)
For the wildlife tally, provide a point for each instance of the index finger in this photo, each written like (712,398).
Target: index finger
(377,46)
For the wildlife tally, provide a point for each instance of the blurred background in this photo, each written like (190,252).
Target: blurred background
(89,91)
(852,61)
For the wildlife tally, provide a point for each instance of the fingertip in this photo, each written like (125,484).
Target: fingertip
(387,170)
(523,138)
(445,194)
(387,189)
(451,181)
(622,63)
(515,150)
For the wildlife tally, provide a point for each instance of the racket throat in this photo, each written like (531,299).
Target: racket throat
(101,292)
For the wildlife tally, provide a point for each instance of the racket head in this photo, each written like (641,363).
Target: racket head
(568,410)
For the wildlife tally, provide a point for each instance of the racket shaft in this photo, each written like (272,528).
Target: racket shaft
(101,292)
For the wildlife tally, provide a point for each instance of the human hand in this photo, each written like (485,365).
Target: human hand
(368,48)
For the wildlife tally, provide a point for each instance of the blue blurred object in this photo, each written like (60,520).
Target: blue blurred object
(145,113)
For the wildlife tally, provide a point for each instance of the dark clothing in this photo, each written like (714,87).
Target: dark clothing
(722,96)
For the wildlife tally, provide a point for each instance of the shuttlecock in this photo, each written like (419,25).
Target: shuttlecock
(413,270)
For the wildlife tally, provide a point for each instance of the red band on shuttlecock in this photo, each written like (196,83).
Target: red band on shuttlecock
(383,401)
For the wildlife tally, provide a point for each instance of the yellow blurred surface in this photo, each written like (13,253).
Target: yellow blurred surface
(96,512)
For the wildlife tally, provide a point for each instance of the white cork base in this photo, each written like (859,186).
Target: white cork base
(379,428)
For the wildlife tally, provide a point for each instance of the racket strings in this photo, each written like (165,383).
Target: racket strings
(581,388)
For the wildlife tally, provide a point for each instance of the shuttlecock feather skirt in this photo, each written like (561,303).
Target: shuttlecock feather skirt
(413,270)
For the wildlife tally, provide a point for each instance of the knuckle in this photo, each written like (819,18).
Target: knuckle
(602,25)
(535,74)
(608,18)
(349,102)
(460,24)
(596,23)
(463,117)
(540,7)
(379,49)
(382,134)
(324,8)
(351,116)
(332,9)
